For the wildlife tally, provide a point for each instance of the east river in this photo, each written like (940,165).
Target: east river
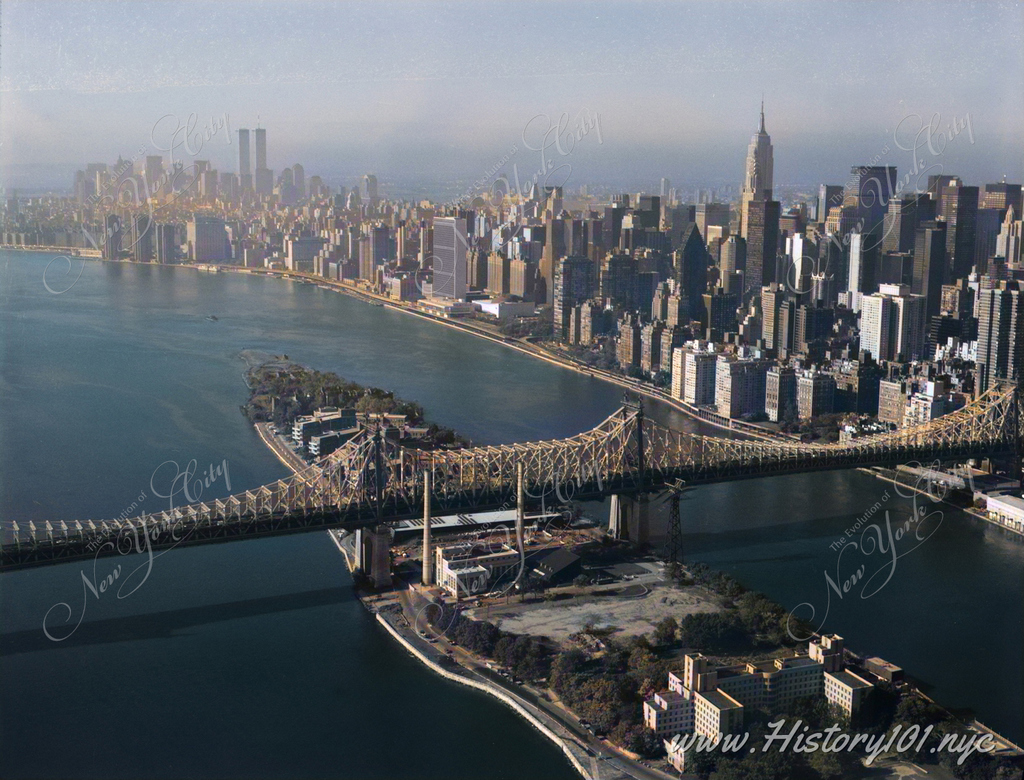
(253,658)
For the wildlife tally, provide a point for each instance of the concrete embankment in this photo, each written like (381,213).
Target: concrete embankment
(493,690)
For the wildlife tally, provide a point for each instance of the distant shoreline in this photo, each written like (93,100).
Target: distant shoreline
(705,416)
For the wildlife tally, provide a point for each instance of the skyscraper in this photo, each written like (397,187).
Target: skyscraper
(142,238)
(710,214)
(450,244)
(961,214)
(261,148)
(381,245)
(112,243)
(554,250)
(869,191)
(733,263)
(154,174)
(758,176)
(1008,242)
(930,264)
(892,324)
(719,313)
(876,326)
(691,261)
(902,217)
(1001,196)
(829,196)
(762,237)
(1000,334)
(368,190)
(244,160)
(166,244)
(263,181)
(207,240)
(986,234)
(772,298)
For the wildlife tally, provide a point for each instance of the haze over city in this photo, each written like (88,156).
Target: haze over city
(604,390)
(430,94)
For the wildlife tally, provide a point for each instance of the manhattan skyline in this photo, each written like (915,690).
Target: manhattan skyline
(429,95)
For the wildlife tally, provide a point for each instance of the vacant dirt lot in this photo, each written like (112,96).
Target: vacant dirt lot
(632,616)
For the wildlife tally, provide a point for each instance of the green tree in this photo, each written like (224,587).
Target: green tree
(665,632)
(712,630)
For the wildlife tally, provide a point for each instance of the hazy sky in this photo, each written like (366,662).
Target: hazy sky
(441,91)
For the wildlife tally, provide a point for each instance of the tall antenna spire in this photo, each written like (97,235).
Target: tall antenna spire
(762,114)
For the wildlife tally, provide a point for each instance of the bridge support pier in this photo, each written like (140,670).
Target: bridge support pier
(629,519)
(373,554)
(380,563)
(362,559)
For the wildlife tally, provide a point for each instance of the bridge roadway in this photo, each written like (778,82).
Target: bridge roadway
(374,480)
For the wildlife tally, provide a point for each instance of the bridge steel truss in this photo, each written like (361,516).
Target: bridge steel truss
(373,479)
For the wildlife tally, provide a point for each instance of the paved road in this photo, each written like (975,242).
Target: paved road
(605,761)
(284,453)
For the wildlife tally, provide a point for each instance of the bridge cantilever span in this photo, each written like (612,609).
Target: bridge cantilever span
(373,480)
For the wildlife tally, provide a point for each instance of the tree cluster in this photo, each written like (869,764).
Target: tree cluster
(523,655)
(283,392)
(609,692)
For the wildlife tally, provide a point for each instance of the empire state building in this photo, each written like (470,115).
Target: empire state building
(757,181)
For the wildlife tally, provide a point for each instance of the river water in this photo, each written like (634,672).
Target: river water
(253,658)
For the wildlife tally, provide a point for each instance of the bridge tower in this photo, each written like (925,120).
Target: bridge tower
(520,520)
(380,537)
(629,512)
(428,556)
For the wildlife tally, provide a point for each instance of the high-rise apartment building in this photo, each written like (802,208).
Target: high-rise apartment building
(498,274)
(554,250)
(740,386)
(574,283)
(893,324)
(650,347)
(699,374)
(450,244)
(815,394)
(780,393)
(1000,335)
